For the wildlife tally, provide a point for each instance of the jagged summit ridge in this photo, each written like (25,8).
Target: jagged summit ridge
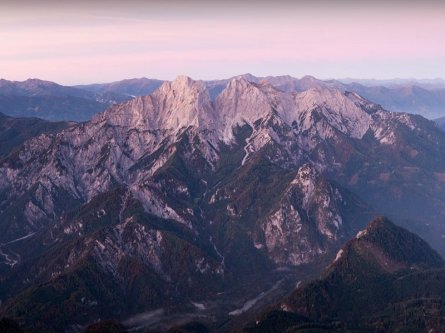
(173,106)
(339,110)
(184,102)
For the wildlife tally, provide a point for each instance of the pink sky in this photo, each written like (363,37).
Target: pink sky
(81,43)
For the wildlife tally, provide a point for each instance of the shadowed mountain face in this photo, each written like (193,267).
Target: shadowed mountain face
(51,101)
(407,98)
(180,202)
(15,131)
(384,280)
(129,87)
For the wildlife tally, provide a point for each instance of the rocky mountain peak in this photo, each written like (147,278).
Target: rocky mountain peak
(184,102)
(183,80)
(249,77)
(239,103)
(173,106)
(383,266)
(181,87)
(309,81)
(336,108)
(38,82)
(238,83)
(324,96)
(389,247)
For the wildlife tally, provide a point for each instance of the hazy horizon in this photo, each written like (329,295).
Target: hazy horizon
(81,43)
(345,79)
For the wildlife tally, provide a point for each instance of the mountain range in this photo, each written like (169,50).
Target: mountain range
(187,202)
(51,101)
(129,87)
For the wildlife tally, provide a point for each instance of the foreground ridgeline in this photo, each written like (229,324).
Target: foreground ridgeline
(201,202)
(386,279)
